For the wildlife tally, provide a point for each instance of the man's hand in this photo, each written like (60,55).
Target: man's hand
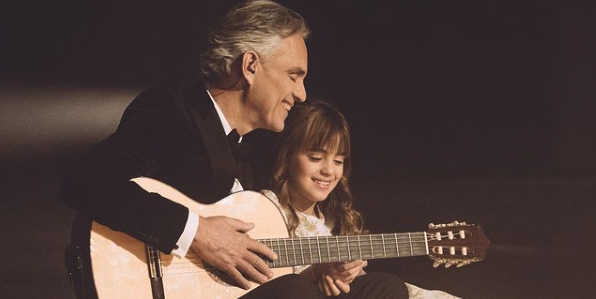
(335,278)
(223,243)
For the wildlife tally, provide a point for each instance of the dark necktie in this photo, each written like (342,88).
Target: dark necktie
(242,152)
(233,138)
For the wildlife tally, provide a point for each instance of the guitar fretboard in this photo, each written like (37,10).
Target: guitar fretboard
(326,249)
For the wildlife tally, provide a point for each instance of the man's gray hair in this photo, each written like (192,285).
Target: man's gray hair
(249,26)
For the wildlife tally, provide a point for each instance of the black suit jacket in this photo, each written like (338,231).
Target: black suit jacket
(173,135)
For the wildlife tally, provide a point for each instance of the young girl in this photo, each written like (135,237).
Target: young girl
(311,183)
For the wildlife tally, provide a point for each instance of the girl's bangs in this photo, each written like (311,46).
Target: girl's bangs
(322,136)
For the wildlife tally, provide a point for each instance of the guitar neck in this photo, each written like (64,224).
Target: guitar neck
(326,249)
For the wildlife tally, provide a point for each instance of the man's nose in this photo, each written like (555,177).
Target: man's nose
(300,92)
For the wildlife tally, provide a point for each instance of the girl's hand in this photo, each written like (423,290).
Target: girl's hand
(335,278)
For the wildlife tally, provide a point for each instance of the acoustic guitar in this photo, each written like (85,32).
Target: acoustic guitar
(123,267)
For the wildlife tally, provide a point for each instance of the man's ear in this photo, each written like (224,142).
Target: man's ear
(250,66)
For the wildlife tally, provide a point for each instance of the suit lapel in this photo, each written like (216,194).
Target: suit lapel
(207,122)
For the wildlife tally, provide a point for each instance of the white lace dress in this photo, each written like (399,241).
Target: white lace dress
(313,226)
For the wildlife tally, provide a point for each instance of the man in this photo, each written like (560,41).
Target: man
(254,69)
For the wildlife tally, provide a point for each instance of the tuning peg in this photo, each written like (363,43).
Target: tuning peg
(457,262)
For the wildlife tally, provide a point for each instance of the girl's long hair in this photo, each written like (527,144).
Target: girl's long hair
(313,127)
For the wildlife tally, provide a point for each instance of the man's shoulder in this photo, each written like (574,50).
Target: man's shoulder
(171,97)
(171,92)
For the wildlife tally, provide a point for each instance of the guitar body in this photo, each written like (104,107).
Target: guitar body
(119,262)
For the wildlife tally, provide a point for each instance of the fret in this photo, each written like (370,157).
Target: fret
(379,246)
(396,245)
(425,244)
(276,250)
(389,250)
(301,252)
(367,252)
(278,262)
(270,245)
(411,248)
(352,247)
(272,262)
(371,247)
(280,255)
(293,251)
(310,251)
(286,249)
(405,250)
(338,248)
(359,249)
(343,247)
(348,243)
(385,239)
(328,251)
(319,248)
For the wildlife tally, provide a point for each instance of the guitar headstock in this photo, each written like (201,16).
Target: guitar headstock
(456,243)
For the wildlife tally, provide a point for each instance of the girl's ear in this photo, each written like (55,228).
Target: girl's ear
(250,66)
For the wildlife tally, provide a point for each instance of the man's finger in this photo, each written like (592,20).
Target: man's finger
(237,277)
(240,225)
(261,250)
(258,263)
(249,270)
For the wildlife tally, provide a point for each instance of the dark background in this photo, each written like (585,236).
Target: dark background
(475,111)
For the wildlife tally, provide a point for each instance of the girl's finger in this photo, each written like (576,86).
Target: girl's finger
(342,286)
(332,287)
